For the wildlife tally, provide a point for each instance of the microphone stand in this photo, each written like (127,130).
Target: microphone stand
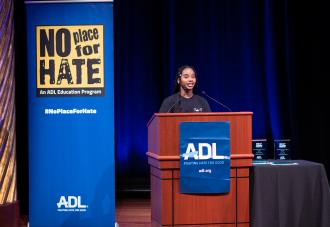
(223,105)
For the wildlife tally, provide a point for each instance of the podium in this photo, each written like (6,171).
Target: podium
(171,208)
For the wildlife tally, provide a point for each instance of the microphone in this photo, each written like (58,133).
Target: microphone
(177,102)
(223,105)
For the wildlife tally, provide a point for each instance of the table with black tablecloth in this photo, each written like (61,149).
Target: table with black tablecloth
(290,195)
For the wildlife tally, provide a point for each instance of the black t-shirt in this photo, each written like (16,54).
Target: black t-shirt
(178,104)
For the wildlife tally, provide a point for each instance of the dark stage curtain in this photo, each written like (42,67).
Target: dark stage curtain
(259,56)
(262,56)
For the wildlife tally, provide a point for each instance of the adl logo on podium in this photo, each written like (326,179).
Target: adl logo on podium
(204,157)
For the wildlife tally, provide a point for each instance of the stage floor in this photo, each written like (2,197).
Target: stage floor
(133,212)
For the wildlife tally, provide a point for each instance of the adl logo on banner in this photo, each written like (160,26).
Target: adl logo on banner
(204,157)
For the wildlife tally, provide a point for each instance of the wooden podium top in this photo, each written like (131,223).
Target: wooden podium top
(197,114)
(164,133)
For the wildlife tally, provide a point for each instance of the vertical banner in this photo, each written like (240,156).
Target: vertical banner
(71,113)
(204,157)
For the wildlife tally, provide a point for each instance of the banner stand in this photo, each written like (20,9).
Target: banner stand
(71,113)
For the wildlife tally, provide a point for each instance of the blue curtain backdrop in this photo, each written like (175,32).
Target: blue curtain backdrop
(262,56)
(259,56)
(251,55)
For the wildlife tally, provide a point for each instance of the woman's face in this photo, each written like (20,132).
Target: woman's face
(187,79)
